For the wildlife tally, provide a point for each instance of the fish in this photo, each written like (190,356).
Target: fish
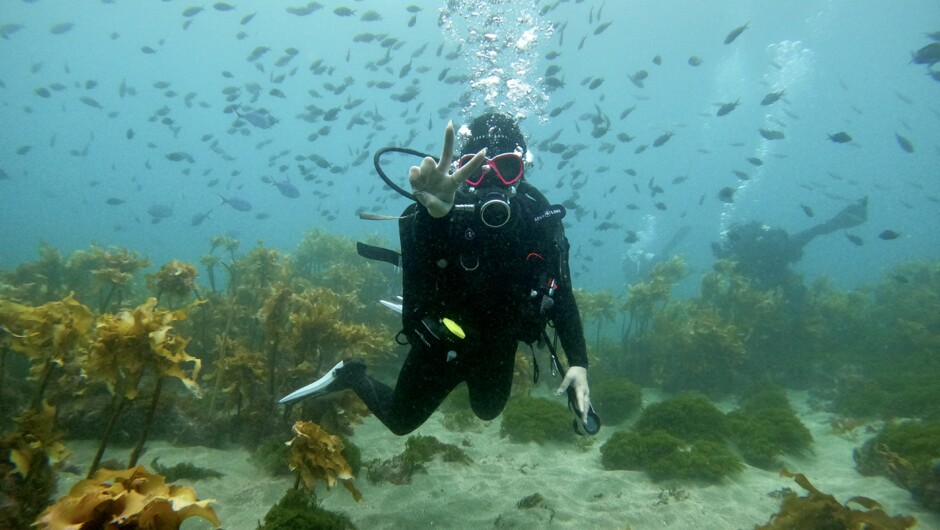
(807,210)
(857,241)
(198,218)
(260,119)
(725,108)
(771,98)
(726,195)
(237,202)
(888,235)
(192,11)
(59,29)
(91,102)
(906,145)
(600,29)
(929,54)
(754,161)
(9,29)
(159,212)
(695,60)
(663,138)
(305,10)
(741,174)
(657,60)
(735,33)
(632,237)
(841,137)
(285,186)
(179,156)
(771,134)
(114,201)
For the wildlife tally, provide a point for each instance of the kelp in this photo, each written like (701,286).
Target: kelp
(317,457)
(821,510)
(129,498)
(131,344)
(50,335)
(176,279)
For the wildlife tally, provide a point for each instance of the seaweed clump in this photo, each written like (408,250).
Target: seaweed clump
(821,510)
(680,438)
(617,397)
(183,471)
(688,416)
(419,450)
(298,510)
(129,498)
(908,453)
(765,427)
(539,420)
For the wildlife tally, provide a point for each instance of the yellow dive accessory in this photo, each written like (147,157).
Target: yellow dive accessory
(454,328)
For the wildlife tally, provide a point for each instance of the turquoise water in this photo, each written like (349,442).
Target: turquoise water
(158,125)
(843,66)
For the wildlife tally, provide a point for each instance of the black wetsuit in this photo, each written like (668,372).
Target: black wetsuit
(482,278)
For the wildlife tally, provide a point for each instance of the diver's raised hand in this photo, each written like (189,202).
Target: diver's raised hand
(433,184)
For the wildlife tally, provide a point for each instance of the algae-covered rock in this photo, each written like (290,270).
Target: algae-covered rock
(298,510)
(531,419)
(908,453)
(419,450)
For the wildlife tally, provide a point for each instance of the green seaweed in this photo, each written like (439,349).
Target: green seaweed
(663,456)
(539,420)
(689,416)
(183,471)
(299,510)
(271,456)
(616,397)
(765,427)
(419,450)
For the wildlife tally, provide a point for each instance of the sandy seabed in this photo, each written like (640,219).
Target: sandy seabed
(577,491)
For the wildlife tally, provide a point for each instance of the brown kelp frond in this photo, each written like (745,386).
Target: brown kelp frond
(821,510)
(176,278)
(50,331)
(129,498)
(131,341)
(317,454)
(36,435)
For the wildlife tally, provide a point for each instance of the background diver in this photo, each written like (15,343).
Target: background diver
(485,265)
(764,254)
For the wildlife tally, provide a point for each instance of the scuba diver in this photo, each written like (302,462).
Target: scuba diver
(764,253)
(484,259)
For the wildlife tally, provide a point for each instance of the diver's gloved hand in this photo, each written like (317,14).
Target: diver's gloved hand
(576,377)
(432,183)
